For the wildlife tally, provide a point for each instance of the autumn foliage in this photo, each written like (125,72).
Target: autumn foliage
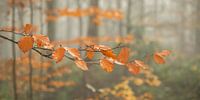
(108,60)
(42,77)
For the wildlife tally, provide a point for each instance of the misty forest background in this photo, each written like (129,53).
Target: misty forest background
(154,25)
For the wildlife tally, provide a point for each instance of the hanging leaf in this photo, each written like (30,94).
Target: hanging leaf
(158,58)
(123,55)
(58,54)
(105,50)
(114,61)
(81,64)
(133,68)
(141,64)
(28,28)
(165,53)
(73,52)
(109,53)
(26,43)
(41,40)
(101,47)
(106,65)
(89,53)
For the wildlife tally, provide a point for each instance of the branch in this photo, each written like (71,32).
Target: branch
(8,39)
(47,56)
(34,48)
(86,49)
(11,31)
(37,49)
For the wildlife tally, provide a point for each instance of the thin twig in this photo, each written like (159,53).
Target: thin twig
(12,31)
(8,39)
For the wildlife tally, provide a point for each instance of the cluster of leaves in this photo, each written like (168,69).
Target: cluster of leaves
(32,41)
(121,90)
(118,39)
(55,14)
(99,14)
(124,89)
(21,3)
(42,81)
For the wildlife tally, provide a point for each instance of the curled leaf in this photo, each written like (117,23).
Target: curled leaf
(123,55)
(26,43)
(89,53)
(81,64)
(73,52)
(158,58)
(41,40)
(106,65)
(133,68)
(28,28)
(109,53)
(58,54)
(141,64)
(105,50)
(165,53)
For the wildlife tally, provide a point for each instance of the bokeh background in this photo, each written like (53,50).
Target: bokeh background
(147,25)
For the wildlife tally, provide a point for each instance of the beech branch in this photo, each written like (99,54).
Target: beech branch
(36,49)
(41,51)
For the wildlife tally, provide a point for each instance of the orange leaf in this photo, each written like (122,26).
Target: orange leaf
(58,54)
(140,63)
(133,68)
(28,29)
(158,58)
(105,50)
(101,47)
(41,40)
(56,84)
(90,53)
(165,53)
(123,55)
(109,53)
(106,65)
(74,52)
(26,43)
(81,64)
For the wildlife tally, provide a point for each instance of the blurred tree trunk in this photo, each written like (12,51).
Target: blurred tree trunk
(93,29)
(51,26)
(181,26)
(141,29)
(136,29)
(3,17)
(67,22)
(128,17)
(119,5)
(197,27)
(88,77)
(51,29)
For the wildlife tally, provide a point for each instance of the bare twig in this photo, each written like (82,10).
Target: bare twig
(8,39)
(11,31)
